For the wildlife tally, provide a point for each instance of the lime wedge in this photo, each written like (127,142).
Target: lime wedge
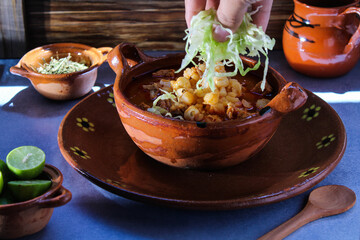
(26,162)
(7,175)
(1,182)
(28,189)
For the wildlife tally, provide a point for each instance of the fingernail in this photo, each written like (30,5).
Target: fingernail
(220,34)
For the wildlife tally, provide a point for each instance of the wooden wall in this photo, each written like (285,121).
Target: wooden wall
(151,24)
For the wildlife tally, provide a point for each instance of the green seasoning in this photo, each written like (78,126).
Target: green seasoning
(61,66)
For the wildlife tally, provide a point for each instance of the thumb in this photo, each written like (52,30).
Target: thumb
(230,14)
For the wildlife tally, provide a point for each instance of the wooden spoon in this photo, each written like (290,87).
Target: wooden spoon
(323,201)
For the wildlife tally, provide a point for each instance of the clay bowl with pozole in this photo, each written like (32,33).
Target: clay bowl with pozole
(55,81)
(199,130)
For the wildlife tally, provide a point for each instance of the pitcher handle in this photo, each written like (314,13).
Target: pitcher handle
(355,39)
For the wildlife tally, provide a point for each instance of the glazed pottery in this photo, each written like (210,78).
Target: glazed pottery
(28,217)
(322,38)
(190,144)
(307,146)
(62,86)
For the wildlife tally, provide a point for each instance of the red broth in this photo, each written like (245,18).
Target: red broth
(139,96)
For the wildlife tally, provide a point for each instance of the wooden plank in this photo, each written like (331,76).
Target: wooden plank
(13,40)
(153,24)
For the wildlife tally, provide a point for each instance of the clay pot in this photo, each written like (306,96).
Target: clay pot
(28,217)
(62,86)
(190,144)
(320,40)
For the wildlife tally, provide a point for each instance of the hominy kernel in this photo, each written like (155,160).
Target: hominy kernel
(217,109)
(182,82)
(187,73)
(195,75)
(187,98)
(173,84)
(211,98)
(231,94)
(193,83)
(232,99)
(201,92)
(221,81)
(192,113)
(179,92)
(165,83)
(236,87)
(220,68)
(223,92)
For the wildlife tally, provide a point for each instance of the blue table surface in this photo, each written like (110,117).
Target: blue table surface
(27,118)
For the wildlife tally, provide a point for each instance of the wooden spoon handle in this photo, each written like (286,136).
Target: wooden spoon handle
(307,215)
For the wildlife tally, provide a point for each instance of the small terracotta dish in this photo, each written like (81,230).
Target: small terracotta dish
(190,144)
(307,146)
(25,218)
(62,86)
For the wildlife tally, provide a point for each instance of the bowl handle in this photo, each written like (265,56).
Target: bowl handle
(19,70)
(104,51)
(63,197)
(125,56)
(291,97)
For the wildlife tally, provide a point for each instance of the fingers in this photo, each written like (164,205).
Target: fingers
(261,18)
(193,7)
(212,4)
(230,14)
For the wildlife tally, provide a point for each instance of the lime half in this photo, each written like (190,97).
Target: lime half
(1,182)
(26,162)
(28,189)
(7,175)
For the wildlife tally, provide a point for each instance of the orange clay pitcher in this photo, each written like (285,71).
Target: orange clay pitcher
(322,37)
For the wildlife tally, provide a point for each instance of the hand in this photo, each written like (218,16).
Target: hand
(230,13)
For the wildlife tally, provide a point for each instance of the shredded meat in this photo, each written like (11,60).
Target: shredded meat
(164,73)
(144,106)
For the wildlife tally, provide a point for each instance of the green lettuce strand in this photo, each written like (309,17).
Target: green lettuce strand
(248,40)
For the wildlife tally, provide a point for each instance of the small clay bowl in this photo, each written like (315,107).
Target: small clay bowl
(28,217)
(190,144)
(62,86)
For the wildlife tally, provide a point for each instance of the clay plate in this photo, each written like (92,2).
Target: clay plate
(305,149)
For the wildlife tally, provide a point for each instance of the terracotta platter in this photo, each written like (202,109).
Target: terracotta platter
(306,147)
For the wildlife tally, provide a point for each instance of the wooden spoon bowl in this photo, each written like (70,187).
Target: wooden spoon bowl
(323,201)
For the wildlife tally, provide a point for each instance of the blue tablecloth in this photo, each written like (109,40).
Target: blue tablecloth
(27,118)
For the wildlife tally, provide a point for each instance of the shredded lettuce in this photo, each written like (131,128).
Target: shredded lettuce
(248,40)
(159,110)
